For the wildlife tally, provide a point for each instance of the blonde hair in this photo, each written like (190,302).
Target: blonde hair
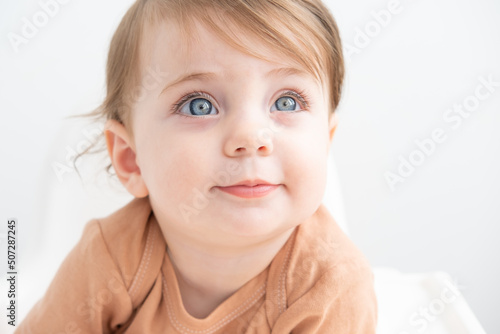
(303,30)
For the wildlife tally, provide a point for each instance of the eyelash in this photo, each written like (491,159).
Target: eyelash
(300,95)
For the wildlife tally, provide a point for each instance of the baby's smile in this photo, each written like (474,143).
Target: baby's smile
(250,188)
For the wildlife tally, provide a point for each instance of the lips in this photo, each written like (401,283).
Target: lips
(250,189)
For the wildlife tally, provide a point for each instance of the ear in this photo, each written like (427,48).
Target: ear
(332,126)
(123,157)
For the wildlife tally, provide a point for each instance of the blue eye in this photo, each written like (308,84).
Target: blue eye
(200,107)
(285,103)
(196,107)
(292,101)
(198,104)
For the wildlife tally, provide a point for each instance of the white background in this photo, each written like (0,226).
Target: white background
(428,57)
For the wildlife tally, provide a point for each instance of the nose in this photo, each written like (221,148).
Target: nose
(248,137)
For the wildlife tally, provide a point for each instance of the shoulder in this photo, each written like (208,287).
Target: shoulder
(324,257)
(105,276)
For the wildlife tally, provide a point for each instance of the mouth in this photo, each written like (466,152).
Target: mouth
(250,189)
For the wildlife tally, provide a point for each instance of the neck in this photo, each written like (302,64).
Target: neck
(207,278)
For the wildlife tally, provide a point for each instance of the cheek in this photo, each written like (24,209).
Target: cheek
(306,164)
(169,169)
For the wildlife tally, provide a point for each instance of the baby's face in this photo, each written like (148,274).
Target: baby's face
(232,120)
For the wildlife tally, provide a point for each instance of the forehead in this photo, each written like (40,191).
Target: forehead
(176,51)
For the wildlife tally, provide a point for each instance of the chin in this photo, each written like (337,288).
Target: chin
(255,223)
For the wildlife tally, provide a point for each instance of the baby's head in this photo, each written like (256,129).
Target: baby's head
(221,112)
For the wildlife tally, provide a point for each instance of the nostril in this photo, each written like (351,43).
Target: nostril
(250,148)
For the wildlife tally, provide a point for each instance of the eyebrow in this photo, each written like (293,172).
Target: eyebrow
(206,76)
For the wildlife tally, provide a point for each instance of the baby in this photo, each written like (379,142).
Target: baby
(219,119)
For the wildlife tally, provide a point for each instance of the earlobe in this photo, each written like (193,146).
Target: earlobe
(123,157)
